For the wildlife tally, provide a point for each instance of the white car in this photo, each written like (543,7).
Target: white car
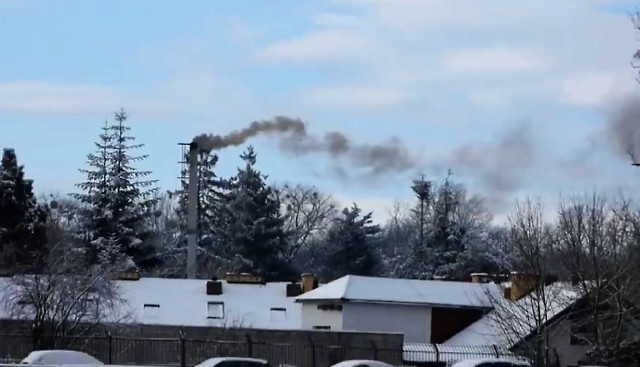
(58,357)
(234,362)
(491,362)
(362,363)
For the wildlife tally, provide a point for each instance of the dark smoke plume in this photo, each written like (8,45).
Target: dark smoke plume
(378,159)
(623,128)
(500,165)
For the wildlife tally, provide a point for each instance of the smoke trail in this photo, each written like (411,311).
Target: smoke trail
(501,165)
(280,124)
(623,128)
(378,159)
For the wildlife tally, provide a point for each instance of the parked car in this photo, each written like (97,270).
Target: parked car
(362,363)
(58,357)
(491,363)
(234,362)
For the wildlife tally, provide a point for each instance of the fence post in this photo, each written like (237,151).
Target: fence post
(34,337)
(435,346)
(313,352)
(183,349)
(495,349)
(375,350)
(110,346)
(249,346)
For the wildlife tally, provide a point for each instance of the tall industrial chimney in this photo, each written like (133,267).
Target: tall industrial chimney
(192,211)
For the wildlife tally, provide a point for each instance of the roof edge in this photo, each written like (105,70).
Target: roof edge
(382,302)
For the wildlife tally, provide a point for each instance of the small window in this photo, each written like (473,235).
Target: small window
(330,307)
(321,327)
(278,314)
(151,310)
(215,310)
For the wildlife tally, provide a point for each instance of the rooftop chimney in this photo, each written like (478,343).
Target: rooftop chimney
(214,288)
(294,289)
(522,284)
(309,282)
(480,278)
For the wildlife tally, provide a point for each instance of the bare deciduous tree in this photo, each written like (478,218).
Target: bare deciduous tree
(597,244)
(66,297)
(524,309)
(308,214)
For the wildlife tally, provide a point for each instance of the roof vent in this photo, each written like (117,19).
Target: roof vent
(214,288)
(244,278)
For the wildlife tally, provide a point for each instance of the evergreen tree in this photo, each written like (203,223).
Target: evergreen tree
(350,245)
(133,197)
(22,220)
(118,201)
(96,218)
(254,232)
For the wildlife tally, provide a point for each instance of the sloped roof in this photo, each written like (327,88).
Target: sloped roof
(510,322)
(184,302)
(404,291)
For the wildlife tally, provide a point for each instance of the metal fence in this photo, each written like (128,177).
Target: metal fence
(446,355)
(186,352)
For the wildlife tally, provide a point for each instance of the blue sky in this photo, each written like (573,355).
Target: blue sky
(438,74)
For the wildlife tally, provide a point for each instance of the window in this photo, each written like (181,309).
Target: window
(330,307)
(278,314)
(321,327)
(215,310)
(151,311)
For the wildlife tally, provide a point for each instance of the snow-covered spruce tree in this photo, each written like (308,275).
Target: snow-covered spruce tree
(133,197)
(117,200)
(96,219)
(350,245)
(22,220)
(254,234)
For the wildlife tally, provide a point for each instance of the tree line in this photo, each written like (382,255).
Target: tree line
(119,220)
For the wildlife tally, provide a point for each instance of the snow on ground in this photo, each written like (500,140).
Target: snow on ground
(510,321)
(405,291)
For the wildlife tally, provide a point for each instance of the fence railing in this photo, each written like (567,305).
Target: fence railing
(186,352)
(445,355)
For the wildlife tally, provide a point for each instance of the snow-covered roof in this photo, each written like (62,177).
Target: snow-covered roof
(184,302)
(352,288)
(510,322)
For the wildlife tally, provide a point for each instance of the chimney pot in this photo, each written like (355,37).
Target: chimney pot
(523,283)
(479,277)
(308,282)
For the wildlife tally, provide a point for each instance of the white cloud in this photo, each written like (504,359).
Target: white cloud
(71,99)
(353,96)
(497,60)
(598,89)
(380,206)
(327,45)
(417,46)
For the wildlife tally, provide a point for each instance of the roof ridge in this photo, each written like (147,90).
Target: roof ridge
(346,286)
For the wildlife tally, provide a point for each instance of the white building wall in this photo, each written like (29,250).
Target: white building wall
(560,339)
(313,317)
(413,321)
